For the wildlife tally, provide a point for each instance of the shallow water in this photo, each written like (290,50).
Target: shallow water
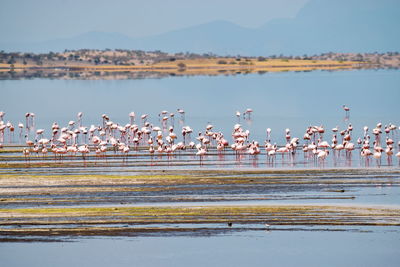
(280,101)
(379,196)
(187,160)
(302,247)
(292,100)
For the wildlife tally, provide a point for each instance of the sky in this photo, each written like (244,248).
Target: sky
(40,20)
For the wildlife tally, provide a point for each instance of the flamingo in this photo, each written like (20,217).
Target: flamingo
(182,112)
(60,151)
(271,154)
(323,144)
(44,151)
(237,113)
(389,141)
(347,110)
(72,149)
(339,148)
(121,137)
(144,118)
(125,151)
(33,119)
(283,150)
(21,127)
(287,136)
(322,155)
(71,124)
(132,117)
(84,149)
(389,153)
(201,152)
(248,111)
(11,129)
(103,149)
(377,155)
(269,134)
(26,153)
(80,114)
(27,115)
(366,153)
(349,147)
(39,132)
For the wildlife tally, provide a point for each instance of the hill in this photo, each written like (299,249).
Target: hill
(350,26)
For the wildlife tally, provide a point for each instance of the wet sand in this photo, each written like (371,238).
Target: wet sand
(60,199)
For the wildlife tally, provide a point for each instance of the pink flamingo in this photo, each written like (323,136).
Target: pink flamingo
(271,154)
(21,128)
(377,155)
(347,110)
(72,149)
(349,148)
(26,153)
(247,112)
(201,152)
(80,114)
(60,151)
(144,118)
(389,153)
(84,149)
(322,155)
(366,153)
(182,112)
(27,115)
(132,117)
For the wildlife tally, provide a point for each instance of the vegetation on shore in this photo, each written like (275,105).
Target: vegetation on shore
(184,63)
(129,58)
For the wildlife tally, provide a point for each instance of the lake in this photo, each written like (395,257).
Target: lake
(293,100)
(370,247)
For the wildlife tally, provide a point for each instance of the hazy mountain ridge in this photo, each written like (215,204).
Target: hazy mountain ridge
(321,26)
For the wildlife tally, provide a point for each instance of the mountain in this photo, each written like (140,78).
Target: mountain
(220,37)
(340,26)
(93,40)
(320,26)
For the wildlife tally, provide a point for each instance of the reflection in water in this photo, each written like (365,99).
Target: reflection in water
(279,115)
(124,75)
(280,101)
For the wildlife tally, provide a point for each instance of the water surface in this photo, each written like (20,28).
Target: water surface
(292,100)
(279,100)
(374,247)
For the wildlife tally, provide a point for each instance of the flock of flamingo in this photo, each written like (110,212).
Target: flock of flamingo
(76,139)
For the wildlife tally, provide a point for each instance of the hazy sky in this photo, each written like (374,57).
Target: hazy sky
(37,20)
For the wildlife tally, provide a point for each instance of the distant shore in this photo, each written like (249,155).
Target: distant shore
(198,66)
(93,63)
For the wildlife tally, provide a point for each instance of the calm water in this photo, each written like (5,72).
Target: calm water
(279,100)
(380,247)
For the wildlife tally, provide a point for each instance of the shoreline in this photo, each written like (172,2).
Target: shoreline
(176,68)
(198,220)
(174,203)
